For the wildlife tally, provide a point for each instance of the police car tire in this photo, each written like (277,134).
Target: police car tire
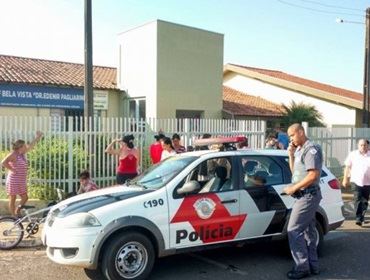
(139,246)
(320,243)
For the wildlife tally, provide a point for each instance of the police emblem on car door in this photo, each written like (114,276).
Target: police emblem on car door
(205,205)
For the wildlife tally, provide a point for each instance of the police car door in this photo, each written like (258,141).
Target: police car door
(260,181)
(208,210)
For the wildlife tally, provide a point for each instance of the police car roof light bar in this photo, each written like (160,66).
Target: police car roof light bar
(219,140)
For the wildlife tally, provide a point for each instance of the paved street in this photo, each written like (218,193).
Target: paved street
(346,254)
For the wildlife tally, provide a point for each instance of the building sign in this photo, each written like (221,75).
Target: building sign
(100,100)
(41,96)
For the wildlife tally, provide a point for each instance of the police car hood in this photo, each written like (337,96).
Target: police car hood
(95,199)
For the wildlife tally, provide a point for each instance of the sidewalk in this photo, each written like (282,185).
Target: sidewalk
(4,208)
(347,196)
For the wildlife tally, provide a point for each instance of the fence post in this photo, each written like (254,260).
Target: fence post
(263,129)
(350,140)
(70,154)
(187,131)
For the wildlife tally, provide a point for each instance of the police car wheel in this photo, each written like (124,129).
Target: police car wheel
(128,256)
(320,240)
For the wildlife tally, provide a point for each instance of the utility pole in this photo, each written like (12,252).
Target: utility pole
(88,88)
(366,103)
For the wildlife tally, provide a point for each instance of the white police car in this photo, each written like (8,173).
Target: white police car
(189,201)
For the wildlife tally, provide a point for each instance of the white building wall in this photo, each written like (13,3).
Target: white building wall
(333,114)
(174,67)
(137,67)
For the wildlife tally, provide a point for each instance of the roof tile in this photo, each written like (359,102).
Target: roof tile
(305,82)
(241,104)
(14,69)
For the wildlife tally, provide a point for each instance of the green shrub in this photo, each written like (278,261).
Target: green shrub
(49,159)
(42,192)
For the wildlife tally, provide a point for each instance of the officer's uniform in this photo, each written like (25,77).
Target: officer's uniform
(301,226)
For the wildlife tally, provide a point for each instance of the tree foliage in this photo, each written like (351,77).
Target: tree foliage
(300,112)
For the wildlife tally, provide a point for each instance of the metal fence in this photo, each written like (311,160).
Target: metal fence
(337,143)
(69,146)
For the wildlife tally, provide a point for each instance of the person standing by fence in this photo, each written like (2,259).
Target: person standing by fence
(129,158)
(176,143)
(156,149)
(273,143)
(16,181)
(282,138)
(168,149)
(357,174)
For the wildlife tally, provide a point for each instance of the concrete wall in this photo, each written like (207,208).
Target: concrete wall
(190,68)
(359,116)
(18,111)
(115,104)
(137,67)
(174,67)
(333,114)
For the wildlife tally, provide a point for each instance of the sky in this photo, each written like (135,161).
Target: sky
(299,37)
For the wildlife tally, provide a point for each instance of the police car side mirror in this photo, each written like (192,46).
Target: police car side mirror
(189,187)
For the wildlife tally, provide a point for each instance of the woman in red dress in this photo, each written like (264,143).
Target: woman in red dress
(129,158)
(16,181)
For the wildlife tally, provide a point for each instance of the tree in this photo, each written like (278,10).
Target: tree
(300,112)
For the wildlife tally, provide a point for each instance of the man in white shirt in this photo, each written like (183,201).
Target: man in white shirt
(357,172)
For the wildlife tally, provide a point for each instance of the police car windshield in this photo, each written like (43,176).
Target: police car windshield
(160,174)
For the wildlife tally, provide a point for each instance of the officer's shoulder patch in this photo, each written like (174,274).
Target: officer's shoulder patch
(313,151)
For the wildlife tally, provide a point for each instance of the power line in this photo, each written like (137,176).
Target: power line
(318,10)
(330,6)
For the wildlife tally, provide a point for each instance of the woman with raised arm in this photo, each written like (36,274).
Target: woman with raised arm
(16,181)
(128,156)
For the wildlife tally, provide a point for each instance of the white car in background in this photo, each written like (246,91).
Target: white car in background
(188,202)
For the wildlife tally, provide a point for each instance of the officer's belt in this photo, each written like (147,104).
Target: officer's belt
(313,190)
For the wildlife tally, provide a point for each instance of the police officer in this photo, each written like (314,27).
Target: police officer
(305,161)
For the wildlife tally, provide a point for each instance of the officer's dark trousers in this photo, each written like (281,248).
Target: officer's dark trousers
(360,198)
(301,232)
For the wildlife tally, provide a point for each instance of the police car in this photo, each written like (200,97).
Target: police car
(190,201)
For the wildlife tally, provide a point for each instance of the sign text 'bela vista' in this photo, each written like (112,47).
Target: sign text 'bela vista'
(41,96)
